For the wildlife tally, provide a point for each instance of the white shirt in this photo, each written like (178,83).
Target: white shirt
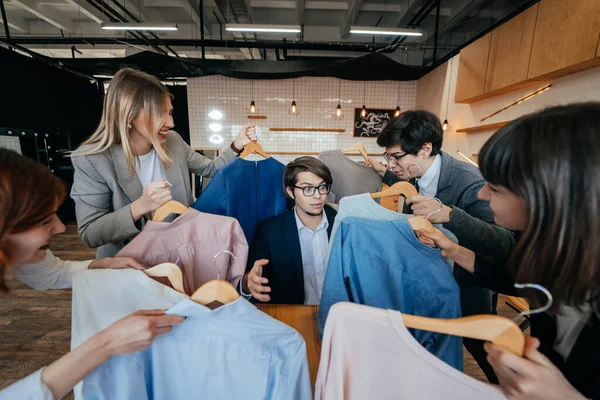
(150,169)
(313,246)
(569,324)
(428,183)
(51,273)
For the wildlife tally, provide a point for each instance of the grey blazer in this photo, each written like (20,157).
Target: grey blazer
(103,191)
(472,222)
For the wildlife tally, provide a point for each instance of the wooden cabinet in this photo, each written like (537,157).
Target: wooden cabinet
(472,66)
(510,49)
(565,38)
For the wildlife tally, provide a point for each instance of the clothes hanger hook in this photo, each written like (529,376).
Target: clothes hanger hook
(215,261)
(436,211)
(179,252)
(408,170)
(537,310)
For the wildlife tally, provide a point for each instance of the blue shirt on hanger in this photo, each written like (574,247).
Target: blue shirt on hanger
(232,352)
(382,264)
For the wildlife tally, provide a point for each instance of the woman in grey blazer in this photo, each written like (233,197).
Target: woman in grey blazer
(134,162)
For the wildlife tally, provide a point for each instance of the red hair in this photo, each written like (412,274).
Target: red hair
(29,195)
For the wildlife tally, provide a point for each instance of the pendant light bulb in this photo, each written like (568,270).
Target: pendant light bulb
(397,112)
(293,108)
(363,112)
(339,115)
(252,109)
(445,125)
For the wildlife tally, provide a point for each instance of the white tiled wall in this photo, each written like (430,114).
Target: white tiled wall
(316,99)
(12,143)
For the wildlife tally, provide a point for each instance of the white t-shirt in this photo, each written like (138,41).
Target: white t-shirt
(149,169)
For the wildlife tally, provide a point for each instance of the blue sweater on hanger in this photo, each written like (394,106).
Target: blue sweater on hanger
(249,191)
(382,264)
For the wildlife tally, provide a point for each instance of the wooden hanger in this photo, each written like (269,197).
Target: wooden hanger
(397,189)
(360,148)
(215,290)
(168,270)
(253,148)
(221,292)
(170,207)
(492,328)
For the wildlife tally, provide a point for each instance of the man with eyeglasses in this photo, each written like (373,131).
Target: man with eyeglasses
(413,143)
(288,256)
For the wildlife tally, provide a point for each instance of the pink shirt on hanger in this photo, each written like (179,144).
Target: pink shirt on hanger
(367,353)
(206,234)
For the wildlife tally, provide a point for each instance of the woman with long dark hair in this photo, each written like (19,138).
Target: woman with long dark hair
(543,181)
(29,198)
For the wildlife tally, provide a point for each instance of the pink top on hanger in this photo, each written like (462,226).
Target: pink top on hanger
(191,241)
(367,353)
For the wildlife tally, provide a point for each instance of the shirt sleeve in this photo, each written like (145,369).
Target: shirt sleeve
(28,388)
(51,273)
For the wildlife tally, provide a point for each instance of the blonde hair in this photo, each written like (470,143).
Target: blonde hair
(129,92)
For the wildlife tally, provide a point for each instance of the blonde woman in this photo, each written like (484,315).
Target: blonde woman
(134,162)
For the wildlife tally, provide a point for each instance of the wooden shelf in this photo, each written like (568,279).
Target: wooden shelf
(480,128)
(331,130)
(257,117)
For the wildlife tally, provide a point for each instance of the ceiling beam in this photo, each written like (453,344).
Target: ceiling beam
(94,16)
(350,17)
(43,13)
(324,5)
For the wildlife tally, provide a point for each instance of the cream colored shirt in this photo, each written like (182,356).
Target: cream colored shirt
(51,273)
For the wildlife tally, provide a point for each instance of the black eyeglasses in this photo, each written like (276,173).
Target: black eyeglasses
(309,191)
(396,157)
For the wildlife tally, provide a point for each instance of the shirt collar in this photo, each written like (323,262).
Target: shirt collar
(324,224)
(433,171)
(189,308)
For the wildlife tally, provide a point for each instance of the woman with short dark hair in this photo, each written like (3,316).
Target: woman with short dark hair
(543,181)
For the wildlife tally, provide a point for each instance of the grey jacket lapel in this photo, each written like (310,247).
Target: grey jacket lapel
(129,183)
(445,172)
(174,176)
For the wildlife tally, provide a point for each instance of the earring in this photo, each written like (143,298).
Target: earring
(128,126)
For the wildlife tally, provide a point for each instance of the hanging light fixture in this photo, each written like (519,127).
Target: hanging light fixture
(445,124)
(363,112)
(294,108)
(252,109)
(339,115)
(398,109)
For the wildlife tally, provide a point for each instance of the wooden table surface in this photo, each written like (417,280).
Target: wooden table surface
(304,320)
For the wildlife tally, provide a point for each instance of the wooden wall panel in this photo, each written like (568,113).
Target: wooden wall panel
(566,34)
(472,69)
(510,49)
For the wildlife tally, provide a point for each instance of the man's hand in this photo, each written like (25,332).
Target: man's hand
(256,284)
(425,206)
(377,166)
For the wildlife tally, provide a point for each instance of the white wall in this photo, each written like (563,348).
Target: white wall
(581,87)
(316,99)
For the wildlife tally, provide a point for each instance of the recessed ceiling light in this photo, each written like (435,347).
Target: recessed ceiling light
(139,27)
(263,28)
(215,127)
(215,114)
(373,30)
(216,139)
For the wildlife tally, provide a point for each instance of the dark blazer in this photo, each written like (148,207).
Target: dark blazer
(472,221)
(582,367)
(277,240)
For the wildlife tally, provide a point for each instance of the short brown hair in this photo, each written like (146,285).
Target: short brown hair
(551,160)
(305,164)
(29,194)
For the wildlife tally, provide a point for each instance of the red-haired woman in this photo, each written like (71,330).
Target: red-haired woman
(29,198)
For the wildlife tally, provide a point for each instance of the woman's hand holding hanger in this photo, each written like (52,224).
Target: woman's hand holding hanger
(460,255)
(530,377)
(155,195)
(246,135)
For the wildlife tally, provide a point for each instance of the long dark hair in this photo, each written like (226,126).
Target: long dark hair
(29,195)
(551,159)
